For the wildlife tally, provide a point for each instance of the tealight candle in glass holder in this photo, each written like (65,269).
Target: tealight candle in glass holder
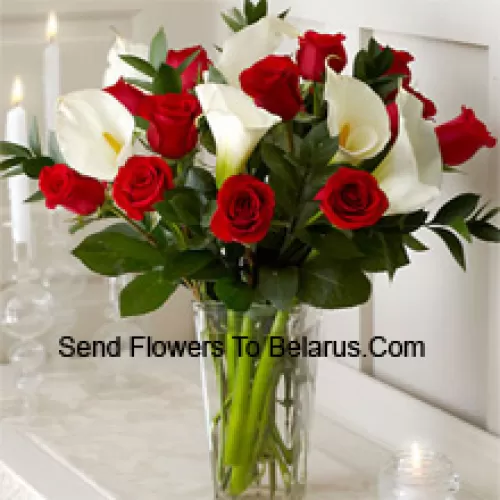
(418,474)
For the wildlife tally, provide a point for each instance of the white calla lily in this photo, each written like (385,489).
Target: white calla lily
(357,115)
(411,174)
(120,69)
(94,132)
(244,48)
(237,125)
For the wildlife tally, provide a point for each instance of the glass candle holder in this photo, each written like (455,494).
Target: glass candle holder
(418,475)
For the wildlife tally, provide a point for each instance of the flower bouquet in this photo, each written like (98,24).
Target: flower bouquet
(263,183)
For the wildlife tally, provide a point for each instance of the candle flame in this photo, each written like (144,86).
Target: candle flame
(416,457)
(51,26)
(17,91)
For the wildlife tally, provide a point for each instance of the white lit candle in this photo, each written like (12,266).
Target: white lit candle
(15,131)
(51,73)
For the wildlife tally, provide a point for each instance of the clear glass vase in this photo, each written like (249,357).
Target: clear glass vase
(258,388)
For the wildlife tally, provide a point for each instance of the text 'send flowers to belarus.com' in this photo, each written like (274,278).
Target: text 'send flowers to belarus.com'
(378,347)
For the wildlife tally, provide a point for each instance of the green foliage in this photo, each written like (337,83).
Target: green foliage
(113,253)
(167,80)
(329,241)
(236,295)
(181,205)
(462,206)
(12,149)
(189,59)
(139,64)
(184,264)
(215,76)
(330,284)
(33,166)
(158,49)
(454,245)
(34,138)
(370,66)
(147,86)
(145,294)
(37,196)
(279,286)
(54,150)
(255,12)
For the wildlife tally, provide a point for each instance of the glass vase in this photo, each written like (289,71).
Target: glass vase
(258,388)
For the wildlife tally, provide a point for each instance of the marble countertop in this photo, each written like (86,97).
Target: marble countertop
(142,436)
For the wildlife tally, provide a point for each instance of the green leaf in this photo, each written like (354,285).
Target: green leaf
(485,231)
(279,286)
(238,15)
(13,171)
(167,81)
(145,294)
(318,147)
(187,62)
(259,10)
(12,149)
(212,272)
(490,214)
(233,24)
(303,117)
(38,196)
(462,205)
(285,13)
(206,137)
(460,226)
(453,243)
(202,181)
(113,253)
(414,244)
(328,284)
(147,86)
(330,242)
(183,264)
(139,64)
(54,150)
(10,162)
(279,166)
(158,49)
(236,295)
(180,206)
(34,138)
(141,123)
(215,76)
(33,166)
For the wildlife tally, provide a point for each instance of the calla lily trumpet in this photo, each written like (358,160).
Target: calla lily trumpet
(357,115)
(94,132)
(411,174)
(244,48)
(120,69)
(237,125)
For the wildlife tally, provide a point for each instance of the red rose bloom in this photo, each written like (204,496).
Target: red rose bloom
(352,199)
(400,66)
(192,73)
(314,48)
(245,208)
(461,138)
(141,183)
(77,193)
(273,83)
(131,97)
(172,131)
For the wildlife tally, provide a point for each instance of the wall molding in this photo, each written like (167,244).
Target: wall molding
(394,419)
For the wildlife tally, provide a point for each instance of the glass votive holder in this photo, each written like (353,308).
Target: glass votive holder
(426,475)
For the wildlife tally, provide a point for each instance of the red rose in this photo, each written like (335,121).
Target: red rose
(245,208)
(193,72)
(352,199)
(461,138)
(400,66)
(131,97)
(314,48)
(77,193)
(172,131)
(273,83)
(141,183)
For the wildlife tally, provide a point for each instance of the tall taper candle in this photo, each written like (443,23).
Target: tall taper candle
(15,131)
(51,74)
